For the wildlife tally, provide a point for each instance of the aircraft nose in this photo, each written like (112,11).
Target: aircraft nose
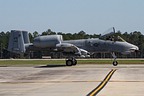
(130,48)
(134,48)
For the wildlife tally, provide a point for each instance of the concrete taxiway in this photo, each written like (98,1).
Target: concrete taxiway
(80,80)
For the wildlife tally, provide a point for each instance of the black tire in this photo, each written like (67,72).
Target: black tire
(115,63)
(69,62)
(75,62)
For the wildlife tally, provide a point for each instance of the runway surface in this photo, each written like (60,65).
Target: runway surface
(80,80)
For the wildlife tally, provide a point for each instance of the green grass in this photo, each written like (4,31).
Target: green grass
(31,62)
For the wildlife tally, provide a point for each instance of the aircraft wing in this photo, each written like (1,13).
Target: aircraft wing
(67,47)
(70,48)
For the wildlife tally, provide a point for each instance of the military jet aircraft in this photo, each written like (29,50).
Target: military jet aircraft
(19,43)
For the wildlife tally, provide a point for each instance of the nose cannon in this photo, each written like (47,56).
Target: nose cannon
(134,49)
(129,48)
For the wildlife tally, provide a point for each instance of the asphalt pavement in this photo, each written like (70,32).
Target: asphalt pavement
(79,80)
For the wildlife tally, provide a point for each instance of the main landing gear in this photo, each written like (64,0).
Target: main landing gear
(115,63)
(71,61)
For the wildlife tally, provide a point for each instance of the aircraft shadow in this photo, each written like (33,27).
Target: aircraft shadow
(50,66)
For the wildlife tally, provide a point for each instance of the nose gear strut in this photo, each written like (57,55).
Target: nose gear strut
(115,63)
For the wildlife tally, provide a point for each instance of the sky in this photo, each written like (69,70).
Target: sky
(72,16)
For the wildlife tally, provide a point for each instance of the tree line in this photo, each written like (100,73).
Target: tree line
(136,38)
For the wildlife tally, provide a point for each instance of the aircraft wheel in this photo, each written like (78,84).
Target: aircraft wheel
(69,62)
(74,62)
(115,63)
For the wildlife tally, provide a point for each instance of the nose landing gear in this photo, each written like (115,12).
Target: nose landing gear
(115,63)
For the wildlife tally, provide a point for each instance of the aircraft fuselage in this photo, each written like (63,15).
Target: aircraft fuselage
(97,45)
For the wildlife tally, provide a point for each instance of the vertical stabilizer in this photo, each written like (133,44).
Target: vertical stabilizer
(25,37)
(17,41)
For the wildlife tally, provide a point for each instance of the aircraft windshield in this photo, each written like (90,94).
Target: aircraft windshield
(108,33)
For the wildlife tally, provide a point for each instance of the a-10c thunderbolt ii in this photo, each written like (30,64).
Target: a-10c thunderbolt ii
(19,43)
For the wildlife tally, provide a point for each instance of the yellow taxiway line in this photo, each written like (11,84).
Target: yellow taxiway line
(102,84)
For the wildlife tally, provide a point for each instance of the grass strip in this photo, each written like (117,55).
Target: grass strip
(31,62)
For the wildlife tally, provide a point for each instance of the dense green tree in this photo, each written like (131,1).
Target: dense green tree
(35,34)
(4,39)
(48,32)
(31,37)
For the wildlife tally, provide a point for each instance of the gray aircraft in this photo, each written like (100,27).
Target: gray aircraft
(19,43)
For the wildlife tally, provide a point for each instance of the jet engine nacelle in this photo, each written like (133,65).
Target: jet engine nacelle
(48,41)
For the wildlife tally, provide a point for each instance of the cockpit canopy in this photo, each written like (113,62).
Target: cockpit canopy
(111,35)
(113,38)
